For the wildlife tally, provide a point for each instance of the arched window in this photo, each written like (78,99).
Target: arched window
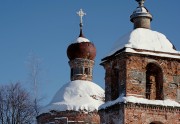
(156,122)
(115,84)
(78,71)
(154,82)
(72,72)
(88,71)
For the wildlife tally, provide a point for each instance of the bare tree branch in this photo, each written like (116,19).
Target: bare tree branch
(16,105)
(34,69)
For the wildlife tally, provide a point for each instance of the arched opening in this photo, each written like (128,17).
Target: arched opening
(115,84)
(154,82)
(156,122)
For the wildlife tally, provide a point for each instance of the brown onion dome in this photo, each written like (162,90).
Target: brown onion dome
(82,48)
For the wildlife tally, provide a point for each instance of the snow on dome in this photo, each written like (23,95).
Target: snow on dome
(132,99)
(144,39)
(77,95)
(81,39)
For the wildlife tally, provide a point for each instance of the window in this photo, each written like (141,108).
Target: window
(87,71)
(157,122)
(78,71)
(72,71)
(115,84)
(154,82)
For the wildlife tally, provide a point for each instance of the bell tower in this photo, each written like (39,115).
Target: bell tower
(141,76)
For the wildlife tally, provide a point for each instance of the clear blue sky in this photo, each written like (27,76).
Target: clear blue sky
(46,28)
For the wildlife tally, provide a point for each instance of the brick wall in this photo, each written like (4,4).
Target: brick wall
(130,113)
(72,117)
(115,83)
(132,75)
(136,66)
(146,114)
(112,115)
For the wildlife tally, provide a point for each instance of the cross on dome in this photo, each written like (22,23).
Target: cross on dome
(81,14)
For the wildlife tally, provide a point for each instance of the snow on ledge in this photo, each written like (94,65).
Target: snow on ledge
(132,99)
(155,54)
(81,39)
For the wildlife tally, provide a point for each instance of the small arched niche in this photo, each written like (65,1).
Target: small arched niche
(115,84)
(154,82)
(156,122)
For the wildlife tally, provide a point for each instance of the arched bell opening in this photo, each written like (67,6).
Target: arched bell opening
(156,122)
(154,82)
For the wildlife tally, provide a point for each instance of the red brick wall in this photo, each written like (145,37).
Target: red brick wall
(144,114)
(80,117)
(115,85)
(112,115)
(132,81)
(136,75)
(132,75)
(130,113)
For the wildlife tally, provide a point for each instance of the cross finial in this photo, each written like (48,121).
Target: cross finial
(141,2)
(81,14)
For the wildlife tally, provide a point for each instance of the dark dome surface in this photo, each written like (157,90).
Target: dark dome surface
(84,50)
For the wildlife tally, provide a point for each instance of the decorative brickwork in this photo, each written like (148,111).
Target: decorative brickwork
(69,117)
(139,114)
(81,69)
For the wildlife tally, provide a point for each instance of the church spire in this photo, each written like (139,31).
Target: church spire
(80,13)
(141,16)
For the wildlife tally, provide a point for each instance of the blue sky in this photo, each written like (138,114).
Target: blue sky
(46,28)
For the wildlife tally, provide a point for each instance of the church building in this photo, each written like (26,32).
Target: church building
(142,80)
(142,76)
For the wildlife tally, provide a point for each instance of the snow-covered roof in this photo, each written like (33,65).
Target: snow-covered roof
(144,39)
(81,39)
(133,99)
(76,95)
